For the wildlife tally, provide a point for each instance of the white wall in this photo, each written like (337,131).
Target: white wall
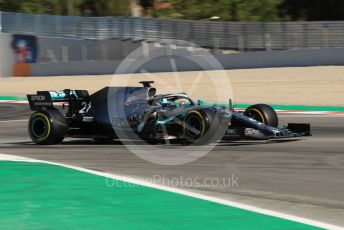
(96,63)
(288,58)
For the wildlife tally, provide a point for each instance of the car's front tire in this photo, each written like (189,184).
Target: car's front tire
(262,113)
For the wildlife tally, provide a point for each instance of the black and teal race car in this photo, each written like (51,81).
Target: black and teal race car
(139,113)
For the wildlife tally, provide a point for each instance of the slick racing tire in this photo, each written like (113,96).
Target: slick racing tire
(262,113)
(47,127)
(204,126)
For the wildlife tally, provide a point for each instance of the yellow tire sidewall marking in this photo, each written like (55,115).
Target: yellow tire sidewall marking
(260,114)
(202,122)
(48,123)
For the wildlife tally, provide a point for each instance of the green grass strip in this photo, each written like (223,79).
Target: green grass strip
(43,196)
(12,98)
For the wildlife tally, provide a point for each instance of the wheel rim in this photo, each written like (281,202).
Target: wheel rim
(40,127)
(194,126)
(256,115)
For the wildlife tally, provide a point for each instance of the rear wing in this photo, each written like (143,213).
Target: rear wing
(41,100)
(46,99)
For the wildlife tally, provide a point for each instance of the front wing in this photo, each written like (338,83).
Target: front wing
(243,127)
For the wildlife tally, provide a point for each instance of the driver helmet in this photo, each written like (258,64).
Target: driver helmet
(165,102)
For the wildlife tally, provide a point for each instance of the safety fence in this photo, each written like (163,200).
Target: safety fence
(242,36)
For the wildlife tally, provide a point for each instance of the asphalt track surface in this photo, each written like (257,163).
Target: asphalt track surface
(302,177)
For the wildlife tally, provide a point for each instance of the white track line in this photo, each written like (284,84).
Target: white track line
(310,115)
(14,101)
(8,121)
(6,157)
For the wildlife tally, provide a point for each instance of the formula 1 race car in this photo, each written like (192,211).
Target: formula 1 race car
(140,113)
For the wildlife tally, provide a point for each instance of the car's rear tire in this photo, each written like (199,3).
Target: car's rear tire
(47,127)
(204,126)
(195,126)
(262,113)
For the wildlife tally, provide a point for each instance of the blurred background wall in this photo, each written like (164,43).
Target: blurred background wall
(35,44)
